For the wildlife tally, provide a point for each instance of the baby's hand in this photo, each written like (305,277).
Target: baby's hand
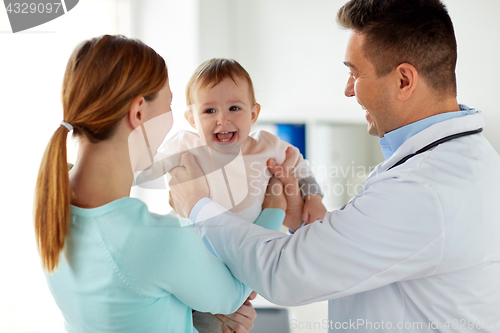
(313,208)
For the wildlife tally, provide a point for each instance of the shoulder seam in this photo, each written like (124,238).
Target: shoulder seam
(120,271)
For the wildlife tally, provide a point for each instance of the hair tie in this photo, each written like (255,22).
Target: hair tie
(67,125)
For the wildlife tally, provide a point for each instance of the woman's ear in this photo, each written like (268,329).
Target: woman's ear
(136,112)
(407,76)
(255,112)
(188,114)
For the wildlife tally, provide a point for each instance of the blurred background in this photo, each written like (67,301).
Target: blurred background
(292,49)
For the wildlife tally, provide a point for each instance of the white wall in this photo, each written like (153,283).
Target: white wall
(294,51)
(477,29)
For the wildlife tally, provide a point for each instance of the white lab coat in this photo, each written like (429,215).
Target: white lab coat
(417,248)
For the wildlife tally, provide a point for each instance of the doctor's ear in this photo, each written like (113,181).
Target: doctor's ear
(136,112)
(188,114)
(408,78)
(255,112)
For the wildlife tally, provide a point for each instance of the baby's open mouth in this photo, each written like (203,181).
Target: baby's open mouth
(224,136)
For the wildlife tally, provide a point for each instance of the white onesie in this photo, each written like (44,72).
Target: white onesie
(237,176)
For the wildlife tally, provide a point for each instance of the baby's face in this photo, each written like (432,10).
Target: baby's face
(224,113)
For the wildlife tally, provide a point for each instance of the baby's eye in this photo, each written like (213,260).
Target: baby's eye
(234,108)
(209,111)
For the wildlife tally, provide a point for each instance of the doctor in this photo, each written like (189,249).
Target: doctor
(417,249)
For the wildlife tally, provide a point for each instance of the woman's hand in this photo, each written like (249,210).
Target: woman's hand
(188,185)
(285,170)
(242,320)
(295,203)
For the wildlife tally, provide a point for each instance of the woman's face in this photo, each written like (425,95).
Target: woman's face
(145,139)
(158,117)
(161,104)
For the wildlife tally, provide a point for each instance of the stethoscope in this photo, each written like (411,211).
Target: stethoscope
(436,143)
(430,146)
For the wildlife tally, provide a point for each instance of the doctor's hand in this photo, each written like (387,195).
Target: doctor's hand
(275,196)
(314,209)
(242,320)
(295,203)
(188,185)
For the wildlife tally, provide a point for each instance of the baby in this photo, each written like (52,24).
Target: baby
(222,108)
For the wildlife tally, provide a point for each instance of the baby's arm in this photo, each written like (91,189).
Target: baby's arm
(311,192)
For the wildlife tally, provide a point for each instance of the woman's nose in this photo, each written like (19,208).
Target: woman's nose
(349,87)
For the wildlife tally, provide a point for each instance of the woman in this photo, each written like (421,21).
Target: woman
(123,269)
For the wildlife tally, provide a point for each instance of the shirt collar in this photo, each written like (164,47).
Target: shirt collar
(394,139)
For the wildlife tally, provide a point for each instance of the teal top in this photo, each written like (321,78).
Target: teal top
(125,269)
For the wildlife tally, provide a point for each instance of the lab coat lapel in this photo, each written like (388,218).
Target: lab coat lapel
(431,134)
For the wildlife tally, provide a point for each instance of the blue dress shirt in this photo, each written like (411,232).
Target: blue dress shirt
(394,139)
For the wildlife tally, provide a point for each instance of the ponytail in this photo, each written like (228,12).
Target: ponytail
(103,76)
(52,200)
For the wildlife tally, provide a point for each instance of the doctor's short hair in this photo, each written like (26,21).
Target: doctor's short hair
(418,32)
(212,72)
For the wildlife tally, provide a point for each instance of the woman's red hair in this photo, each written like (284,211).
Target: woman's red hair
(102,78)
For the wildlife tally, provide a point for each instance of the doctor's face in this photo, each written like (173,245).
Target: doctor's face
(372,92)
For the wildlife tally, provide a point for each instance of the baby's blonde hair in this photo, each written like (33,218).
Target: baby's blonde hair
(212,72)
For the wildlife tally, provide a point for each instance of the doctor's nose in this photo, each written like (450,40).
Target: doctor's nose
(349,87)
